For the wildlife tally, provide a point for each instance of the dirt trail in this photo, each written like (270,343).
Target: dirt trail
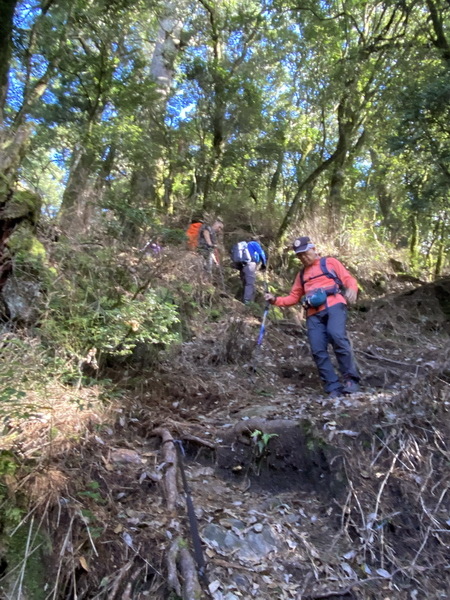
(296,496)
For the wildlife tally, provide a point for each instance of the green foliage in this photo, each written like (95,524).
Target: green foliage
(24,367)
(175,237)
(110,325)
(35,569)
(11,404)
(8,464)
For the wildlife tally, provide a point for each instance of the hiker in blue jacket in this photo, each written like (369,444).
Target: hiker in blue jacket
(247,256)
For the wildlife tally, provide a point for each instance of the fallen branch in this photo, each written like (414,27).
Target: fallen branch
(178,555)
(346,591)
(374,356)
(197,440)
(330,593)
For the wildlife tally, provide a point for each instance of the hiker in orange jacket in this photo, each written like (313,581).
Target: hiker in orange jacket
(323,287)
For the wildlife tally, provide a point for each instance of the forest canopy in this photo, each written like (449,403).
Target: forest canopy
(269,112)
(121,124)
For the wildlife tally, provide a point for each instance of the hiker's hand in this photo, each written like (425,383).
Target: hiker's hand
(268,297)
(351,295)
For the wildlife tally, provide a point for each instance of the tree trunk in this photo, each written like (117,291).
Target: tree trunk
(148,183)
(309,181)
(72,216)
(335,196)
(274,181)
(219,106)
(441,249)
(439,40)
(413,242)
(7,8)
(384,197)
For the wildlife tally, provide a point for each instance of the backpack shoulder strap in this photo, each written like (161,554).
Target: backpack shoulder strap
(331,274)
(325,271)
(302,277)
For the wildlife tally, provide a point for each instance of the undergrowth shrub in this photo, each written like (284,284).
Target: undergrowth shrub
(77,323)
(23,367)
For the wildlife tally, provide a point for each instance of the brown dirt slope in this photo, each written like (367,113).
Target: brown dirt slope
(296,496)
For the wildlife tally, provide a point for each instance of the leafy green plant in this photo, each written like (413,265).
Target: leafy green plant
(93,493)
(8,465)
(261,441)
(174,237)
(110,326)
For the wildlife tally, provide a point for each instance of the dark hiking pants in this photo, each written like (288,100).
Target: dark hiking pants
(329,327)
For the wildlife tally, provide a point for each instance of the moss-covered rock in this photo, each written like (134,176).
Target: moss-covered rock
(24,204)
(26,257)
(25,248)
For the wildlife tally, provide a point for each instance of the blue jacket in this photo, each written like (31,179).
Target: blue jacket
(257,253)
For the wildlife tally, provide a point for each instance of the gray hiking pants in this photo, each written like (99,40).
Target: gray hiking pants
(248,278)
(208,257)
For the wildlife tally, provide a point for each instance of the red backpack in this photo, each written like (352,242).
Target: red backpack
(192,234)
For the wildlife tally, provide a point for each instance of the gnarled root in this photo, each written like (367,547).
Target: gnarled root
(180,559)
(170,459)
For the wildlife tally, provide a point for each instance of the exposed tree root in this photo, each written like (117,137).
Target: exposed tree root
(171,561)
(191,586)
(170,460)
(179,558)
(196,440)
(244,429)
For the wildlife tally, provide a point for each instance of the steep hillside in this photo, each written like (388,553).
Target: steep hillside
(294,495)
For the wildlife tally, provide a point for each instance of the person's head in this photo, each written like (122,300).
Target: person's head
(305,250)
(217,225)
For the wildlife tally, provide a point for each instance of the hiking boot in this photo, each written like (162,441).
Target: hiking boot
(351,387)
(335,393)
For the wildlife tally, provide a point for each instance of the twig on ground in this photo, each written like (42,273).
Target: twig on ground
(54,591)
(430,527)
(119,579)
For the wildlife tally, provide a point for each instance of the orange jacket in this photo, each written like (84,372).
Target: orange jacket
(192,234)
(297,290)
